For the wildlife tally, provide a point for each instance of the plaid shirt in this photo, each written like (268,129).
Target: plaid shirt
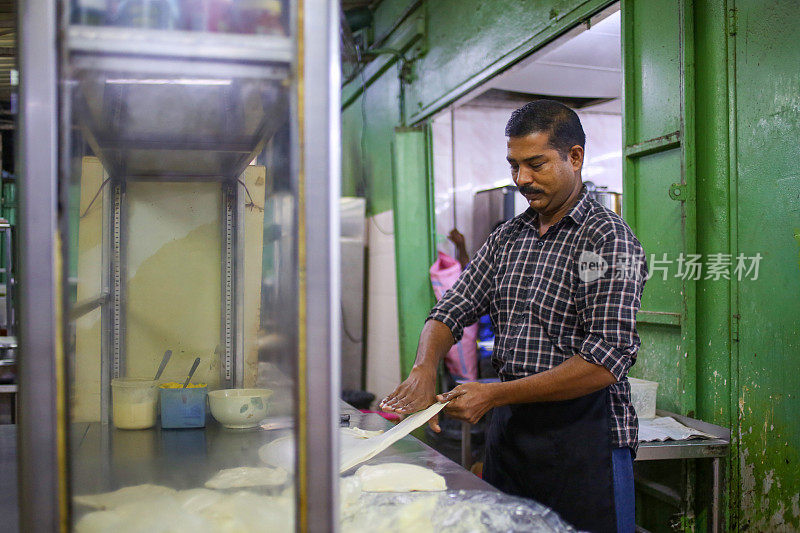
(550,298)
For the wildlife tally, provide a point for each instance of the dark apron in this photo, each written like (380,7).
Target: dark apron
(559,454)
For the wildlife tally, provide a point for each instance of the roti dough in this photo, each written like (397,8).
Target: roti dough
(399,477)
(125,495)
(248,476)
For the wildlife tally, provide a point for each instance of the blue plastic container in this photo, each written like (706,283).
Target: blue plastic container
(183,408)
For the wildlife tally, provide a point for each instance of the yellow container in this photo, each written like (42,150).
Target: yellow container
(135,403)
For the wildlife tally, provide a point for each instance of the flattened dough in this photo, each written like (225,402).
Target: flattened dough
(248,476)
(279,453)
(195,500)
(399,477)
(164,515)
(245,512)
(357,451)
(360,433)
(125,495)
(240,512)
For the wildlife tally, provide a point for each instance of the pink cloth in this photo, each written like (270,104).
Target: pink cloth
(462,359)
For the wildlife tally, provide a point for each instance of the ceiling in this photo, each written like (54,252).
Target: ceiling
(588,65)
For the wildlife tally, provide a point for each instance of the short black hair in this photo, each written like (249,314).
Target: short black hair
(548,116)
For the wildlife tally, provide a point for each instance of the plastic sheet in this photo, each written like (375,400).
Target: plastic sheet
(453,511)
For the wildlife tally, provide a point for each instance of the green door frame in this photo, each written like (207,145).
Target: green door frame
(415,237)
(683,190)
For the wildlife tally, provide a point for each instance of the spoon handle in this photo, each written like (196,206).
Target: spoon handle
(163,365)
(191,372)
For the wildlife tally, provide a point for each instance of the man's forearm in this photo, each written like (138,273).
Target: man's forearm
(434,342)
(573,378)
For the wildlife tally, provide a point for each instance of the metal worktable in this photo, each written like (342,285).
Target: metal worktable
(716,450)
(106,458)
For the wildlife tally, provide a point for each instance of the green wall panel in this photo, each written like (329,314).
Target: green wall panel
(659,228)
(660,344)
(414,237)
(657,43)
(471,40)
(655,54)
(768,222)
(367,153)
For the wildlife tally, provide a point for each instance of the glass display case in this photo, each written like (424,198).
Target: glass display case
(178,226)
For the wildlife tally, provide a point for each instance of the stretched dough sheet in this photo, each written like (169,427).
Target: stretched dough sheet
(360,450)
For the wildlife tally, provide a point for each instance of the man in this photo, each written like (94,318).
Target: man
(562,283)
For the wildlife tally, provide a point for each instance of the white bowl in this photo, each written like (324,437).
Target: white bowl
(239,408)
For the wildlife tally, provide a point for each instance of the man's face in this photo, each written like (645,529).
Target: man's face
(542,174)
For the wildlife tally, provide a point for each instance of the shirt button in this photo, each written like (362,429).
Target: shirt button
(540,243)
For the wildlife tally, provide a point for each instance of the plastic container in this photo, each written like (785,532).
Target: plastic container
(643,397)
(135,403)
(183,408)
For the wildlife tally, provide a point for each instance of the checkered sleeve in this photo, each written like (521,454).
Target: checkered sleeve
(468,299)
(607,304)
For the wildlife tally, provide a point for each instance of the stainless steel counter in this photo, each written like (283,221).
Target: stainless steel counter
(105,458)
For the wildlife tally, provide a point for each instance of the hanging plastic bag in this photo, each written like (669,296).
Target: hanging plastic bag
(462,359)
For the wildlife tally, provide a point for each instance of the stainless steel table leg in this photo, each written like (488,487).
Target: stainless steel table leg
(716,527)
(466,445)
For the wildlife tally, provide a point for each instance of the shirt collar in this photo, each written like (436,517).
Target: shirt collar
(577,213)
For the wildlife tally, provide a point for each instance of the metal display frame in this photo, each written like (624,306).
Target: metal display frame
(312,58)
(39,471)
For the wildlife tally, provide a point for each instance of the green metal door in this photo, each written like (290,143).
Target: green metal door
(414,237)
(659,188)
(767,126)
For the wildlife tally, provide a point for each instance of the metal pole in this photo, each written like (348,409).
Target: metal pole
(716,496)
(320,276)
(466,445)
(9,261)
(37,443)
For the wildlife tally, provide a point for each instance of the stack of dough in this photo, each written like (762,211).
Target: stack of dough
(154,509)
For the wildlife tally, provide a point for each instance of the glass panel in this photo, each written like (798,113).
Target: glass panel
(182,203)
(263,17)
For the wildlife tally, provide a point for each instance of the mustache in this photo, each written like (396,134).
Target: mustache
(529,189)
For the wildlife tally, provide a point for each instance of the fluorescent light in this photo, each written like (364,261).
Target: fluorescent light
(166,81)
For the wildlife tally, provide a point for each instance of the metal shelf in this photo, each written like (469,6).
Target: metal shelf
(113,40)
(158,104)
(150,125)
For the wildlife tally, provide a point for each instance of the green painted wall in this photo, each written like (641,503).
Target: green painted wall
(767,126)
(367,151)
(745,104)
(715,358)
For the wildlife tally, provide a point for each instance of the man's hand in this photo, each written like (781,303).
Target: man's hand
(416,393)
(470,401)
